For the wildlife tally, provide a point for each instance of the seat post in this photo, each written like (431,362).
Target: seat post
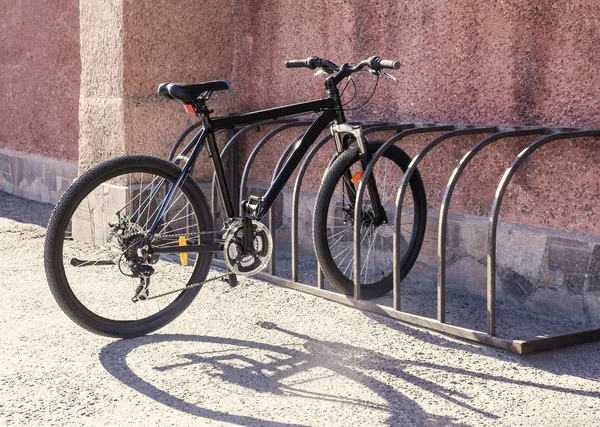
(201,109)
(215,156)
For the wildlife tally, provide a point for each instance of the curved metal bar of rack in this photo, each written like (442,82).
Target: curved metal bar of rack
(385,127)
(446,200)
(271,216)
(295,206)
(259,146)
(362,186)
(412,167)
(536,344)
(405,129)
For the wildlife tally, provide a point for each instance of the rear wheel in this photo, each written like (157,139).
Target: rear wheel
(96,267)
(333,222)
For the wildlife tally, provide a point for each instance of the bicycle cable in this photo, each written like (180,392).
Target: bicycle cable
(370,96)
(120,269)
(350,79)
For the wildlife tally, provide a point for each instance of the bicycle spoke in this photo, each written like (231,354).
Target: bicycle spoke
(346,229)
(352,252)
(370,245)
(349,247)
(171,203)
(107,251)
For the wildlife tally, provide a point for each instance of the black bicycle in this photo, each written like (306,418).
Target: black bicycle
(131,242)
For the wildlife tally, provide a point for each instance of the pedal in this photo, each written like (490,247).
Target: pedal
(232,280)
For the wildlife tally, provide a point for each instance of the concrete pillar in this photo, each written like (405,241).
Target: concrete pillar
(127,49)
(101,103)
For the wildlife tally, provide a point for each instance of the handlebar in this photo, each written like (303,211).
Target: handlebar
(312,63)
(375,63)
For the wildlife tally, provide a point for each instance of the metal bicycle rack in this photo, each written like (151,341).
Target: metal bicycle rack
(449,131)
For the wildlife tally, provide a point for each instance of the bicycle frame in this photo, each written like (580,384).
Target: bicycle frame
(331,112)
(205,136)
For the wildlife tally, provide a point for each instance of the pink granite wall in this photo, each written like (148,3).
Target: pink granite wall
(164,41)
(511,62)
(517,62)
(39,77)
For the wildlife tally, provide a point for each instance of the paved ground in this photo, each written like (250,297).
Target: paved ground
(258,355)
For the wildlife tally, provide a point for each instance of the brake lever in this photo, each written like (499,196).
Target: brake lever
(326,69)
(383,73)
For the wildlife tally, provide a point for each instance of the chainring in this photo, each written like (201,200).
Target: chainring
(262,248)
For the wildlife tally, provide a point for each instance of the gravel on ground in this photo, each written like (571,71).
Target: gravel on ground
(260,355)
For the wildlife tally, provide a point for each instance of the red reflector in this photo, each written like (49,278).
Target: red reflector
(189,108)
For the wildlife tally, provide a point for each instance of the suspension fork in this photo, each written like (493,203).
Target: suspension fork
(339,132)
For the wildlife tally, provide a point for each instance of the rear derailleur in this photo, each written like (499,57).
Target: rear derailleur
(138,255)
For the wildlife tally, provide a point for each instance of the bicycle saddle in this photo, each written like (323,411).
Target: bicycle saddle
(188,93)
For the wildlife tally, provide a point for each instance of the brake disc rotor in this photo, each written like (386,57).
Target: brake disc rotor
(262,248)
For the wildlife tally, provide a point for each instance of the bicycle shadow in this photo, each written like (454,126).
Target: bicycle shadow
(271,373)
(579,360)
(267,376)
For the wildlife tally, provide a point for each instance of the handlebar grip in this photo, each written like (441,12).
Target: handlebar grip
(376,63)
(295,63)
(388,63)
(302,63)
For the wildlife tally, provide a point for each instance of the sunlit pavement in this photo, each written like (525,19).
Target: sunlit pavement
(258,355)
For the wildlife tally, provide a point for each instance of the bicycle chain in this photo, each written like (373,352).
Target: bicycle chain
(200,233)
(197,285)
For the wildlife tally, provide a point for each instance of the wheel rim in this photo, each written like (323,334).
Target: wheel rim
(103,290)
(376,262)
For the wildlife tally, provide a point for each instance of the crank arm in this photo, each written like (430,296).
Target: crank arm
(88,263)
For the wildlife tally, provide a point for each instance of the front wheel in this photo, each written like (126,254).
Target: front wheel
(99,268)
(333,222)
